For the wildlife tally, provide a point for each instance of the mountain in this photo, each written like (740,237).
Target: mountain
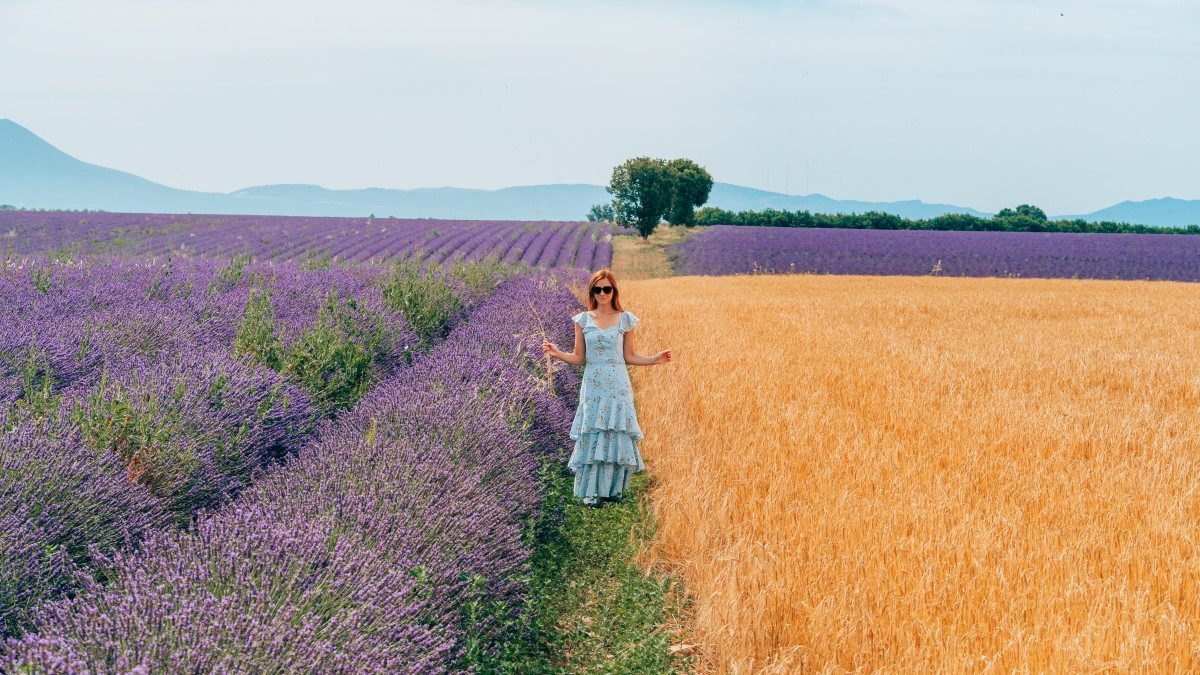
(739,198)
(560,201)
(1164,212)
(35,174)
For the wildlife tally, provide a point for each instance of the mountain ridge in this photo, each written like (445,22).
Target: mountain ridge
(36,174)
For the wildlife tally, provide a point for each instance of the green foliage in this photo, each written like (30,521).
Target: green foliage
(484,275)
(1023,211)
(480,610)
(66,253)
(333,359)
(691,187)
(257,332)
(642,193)
(230,275)
(647,190)
(314,261)
(151,437)
(601,212)
(1024,218)
(38,398)
(426,302)
(158,286)
(590,607)
(40,277)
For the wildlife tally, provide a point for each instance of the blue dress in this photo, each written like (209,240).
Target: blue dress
(605,429)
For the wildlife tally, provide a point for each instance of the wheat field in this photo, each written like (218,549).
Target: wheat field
(919,473)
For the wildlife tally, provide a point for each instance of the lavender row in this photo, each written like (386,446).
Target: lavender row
(62,324)
(313,241)
(724,249)
(395,542)
(132,395)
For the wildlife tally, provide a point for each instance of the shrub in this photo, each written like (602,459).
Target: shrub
(426,301)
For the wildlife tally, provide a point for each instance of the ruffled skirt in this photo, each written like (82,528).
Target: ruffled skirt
(606,433)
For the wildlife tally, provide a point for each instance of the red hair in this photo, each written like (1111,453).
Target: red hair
(601,275)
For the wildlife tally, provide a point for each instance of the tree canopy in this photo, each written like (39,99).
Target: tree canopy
(645,190)
(641,190)
(601,212)
(691,187)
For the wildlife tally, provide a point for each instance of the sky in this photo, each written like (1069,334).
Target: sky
(1071,105)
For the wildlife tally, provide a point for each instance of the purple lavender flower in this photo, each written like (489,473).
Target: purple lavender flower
(309,241)
(367,549)
(725,249)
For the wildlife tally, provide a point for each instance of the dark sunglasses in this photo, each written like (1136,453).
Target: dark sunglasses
(601,289)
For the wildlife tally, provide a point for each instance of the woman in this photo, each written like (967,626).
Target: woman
(605,429)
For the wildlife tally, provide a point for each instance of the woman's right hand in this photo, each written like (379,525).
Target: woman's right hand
(550,349)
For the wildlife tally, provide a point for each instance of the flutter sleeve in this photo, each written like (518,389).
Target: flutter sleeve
(628,321)
(579,319)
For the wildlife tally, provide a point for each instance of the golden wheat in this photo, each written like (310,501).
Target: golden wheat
(918,474)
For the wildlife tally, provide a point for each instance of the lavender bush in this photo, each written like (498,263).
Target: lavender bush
(396,541)
(144,378)
(60,505)
(194,427)
(746,249)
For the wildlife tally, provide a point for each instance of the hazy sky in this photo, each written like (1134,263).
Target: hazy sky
(1071,105)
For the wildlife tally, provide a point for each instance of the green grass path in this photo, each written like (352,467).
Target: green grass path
(596,610)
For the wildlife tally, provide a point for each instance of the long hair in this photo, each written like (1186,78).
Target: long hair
(599,276)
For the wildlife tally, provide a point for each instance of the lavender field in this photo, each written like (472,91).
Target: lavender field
(724,249)
(310,240)
(235,466)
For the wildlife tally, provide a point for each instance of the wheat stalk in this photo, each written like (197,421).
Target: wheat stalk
(541,331)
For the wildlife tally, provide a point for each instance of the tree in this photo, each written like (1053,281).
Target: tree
(601,212)
(1025,218)
(691,187)
(642,190)
(1023,211)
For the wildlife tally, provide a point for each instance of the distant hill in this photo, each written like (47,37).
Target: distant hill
(537,202)
(739,198)
(35,174)
(1164,212)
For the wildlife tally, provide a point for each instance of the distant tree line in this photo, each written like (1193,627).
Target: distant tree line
(1024,218)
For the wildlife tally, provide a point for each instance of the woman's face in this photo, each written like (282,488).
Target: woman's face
(603,299)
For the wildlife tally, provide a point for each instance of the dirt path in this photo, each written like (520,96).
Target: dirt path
(635,258)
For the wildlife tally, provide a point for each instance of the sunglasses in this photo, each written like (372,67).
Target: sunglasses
(601,289)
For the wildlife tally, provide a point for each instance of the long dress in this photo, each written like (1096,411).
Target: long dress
(605,429)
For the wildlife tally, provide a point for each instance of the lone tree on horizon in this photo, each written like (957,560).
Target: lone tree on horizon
(645,190)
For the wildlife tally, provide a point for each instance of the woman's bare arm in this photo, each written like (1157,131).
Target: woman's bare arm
(577,357)
(633,359)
